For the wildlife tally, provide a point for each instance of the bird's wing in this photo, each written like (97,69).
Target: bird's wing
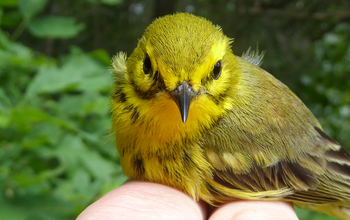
(271,146)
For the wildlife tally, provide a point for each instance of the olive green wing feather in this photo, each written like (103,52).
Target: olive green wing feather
(273,147)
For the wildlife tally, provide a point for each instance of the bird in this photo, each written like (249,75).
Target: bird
(189,113)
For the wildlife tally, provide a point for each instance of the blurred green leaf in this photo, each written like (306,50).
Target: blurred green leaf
(305,214)
(107,2)
(45,133)
(5,101)
(112,2)
(102,56)
(99,83)
(55,27)
(10,19)
(14,48)
(4,120)
(73,74)
(85,104)
(8,3)
(29,8)
(99,106)
(73,105)
(70,148)
(25,207)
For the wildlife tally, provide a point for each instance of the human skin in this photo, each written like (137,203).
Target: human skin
(146,200)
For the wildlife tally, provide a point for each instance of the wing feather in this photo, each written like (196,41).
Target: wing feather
(283,150)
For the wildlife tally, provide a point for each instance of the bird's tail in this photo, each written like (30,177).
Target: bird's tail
(332,196)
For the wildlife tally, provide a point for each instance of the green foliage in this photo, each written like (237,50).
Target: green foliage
(56,152)
(29,8)
(54,133)
(308,215)
(328,88)
(55,27)
(107,2)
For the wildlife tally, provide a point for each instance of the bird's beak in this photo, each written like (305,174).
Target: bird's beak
(183,95)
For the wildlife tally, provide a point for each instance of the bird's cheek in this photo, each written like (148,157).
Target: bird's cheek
(203,110)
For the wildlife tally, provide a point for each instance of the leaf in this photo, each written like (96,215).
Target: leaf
(73,151)
(78,188)
(101,83)
(5,101)
(99,167)
(11,18)
(69,150)
(44,134)
(76,70)
(111,2)
(29,8)
(72,105)
(4,120)
(14,47)
(55,27)
(26,177)
(84,104)
(102,56)
(306,215)
(30,206)
(8,3)
(107,2)
(99,106)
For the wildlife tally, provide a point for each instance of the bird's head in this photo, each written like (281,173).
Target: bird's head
(184,58)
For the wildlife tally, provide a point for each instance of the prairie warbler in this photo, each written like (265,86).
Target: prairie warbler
(190,114)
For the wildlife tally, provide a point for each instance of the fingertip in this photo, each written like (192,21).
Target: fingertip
(145,200)
(257,210)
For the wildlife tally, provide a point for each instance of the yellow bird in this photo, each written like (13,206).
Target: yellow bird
(190,114)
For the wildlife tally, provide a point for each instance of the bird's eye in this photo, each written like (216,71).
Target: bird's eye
(217,70)
(147,66)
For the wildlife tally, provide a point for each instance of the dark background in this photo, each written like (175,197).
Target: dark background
(56,152)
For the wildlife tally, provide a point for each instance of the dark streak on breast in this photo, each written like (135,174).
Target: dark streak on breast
(139,168)
(119,96)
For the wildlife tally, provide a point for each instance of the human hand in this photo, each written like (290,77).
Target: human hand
(146,200)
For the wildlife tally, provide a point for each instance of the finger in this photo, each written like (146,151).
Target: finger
(145,200)
(257,210)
